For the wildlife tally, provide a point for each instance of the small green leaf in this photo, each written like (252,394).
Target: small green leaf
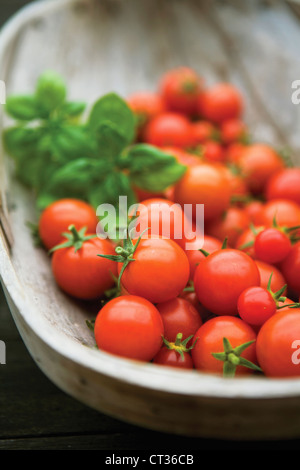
(151,169)
(73,108)
(50,91)
(114,109)
(109,141)
(22,107)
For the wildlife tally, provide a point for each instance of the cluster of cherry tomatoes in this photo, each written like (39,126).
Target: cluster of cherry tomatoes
(228,305)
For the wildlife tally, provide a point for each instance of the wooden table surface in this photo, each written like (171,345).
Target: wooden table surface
(36,415)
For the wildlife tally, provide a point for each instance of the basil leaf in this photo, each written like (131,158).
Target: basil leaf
(114,109)
(50,91)
(74,179)
(72,141)
(73,108)
(151,169)
(110,142)
(108,189)
(22,107)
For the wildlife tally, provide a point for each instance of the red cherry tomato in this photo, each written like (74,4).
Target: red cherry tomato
(59,215)
(212,151)
(180,88)
(234,152)
(278,344)
(272,245)
(220,102)
(258,163)
(171,358)
(265,271)
(160,271)
(204,184)
(81,273)
(208,243)
(256,305)
(130,327)
(245,242)
(286,213)
(290,269)
(179,316)
(210,340)
(145,105)
(203,131)
(169,129)
(221,277)
(233,130)
(230,225)
(284,185)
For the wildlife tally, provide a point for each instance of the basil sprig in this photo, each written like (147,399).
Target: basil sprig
(58,155)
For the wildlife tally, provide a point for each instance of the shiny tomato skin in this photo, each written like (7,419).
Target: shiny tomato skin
(247,237)
(162,217)
(277,344)
(182,156)
(221,277)
(265,271)
(285,184)
(171,358)
(179,89)
(179,316)
(290,269)
(145,105)
(212,151)
(210,340)
(83,274)
(204,184)
(287,213)
(129,326)
(209,244)
(220,102)
(230,225)
(272,245)
(233,130)
(160,271)
(258,163)
(59,215)
(169,129)
(256,305)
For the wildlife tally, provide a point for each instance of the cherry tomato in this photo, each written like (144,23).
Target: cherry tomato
(233,130)
(180,88)
(191,297)
(230,225)
(234,152)
(162,217)
(183,157)
(203,131)
(220,102)
(258,163)
(212,151)
(59,215)
(145,105)
(256,305)
(221,277)
(286,213)
(169,129)
(290,269)
(171,358)
(253,209)
(179,316)
(245,242)
(204,184)
(195,256)
(210,340)
(265,271)
(272,245)
(239,189)
(80,272)
(278,344)
(160,271)
(285,184)
(129,326)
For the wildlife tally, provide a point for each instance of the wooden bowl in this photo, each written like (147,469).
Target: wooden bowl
(99,46)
